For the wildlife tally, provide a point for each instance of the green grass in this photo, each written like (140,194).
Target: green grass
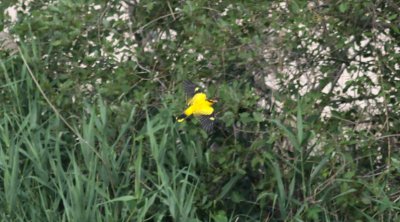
(50,173)
(157,173)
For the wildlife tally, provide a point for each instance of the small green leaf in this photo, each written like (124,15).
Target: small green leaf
(258,117)
(343,7)
(56,43)
(245,118)
(228,118)
(392,17)
(294,6)
(313,212)
(366,200)
(220,217)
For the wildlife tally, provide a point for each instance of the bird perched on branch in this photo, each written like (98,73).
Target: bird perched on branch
(198,105)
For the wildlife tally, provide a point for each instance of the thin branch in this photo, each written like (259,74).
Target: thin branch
(140,29)
(388,136)
(352,99)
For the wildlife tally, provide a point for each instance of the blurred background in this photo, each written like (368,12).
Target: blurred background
(307,121)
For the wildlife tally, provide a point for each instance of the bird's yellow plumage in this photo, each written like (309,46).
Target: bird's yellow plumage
(198,105)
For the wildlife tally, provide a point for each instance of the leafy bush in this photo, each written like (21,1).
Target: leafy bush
(307,123)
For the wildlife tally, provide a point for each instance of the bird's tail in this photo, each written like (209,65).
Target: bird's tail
(181,117)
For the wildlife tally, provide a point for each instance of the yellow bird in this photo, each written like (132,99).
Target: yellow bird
(199,106)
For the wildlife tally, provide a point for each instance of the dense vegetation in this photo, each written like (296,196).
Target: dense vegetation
(308,120)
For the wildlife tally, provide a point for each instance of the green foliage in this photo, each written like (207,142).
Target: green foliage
(87,130)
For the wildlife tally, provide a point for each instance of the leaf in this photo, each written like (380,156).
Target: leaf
(313,212)
(119,199)
(228,186)
(288,133)
(392,17)
(220,217)
(343,7)
(294,6)
(258,117)
(245,117)
(352,190)
(228,118)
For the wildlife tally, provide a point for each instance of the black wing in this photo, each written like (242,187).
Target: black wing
(190,88)
(207,122)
